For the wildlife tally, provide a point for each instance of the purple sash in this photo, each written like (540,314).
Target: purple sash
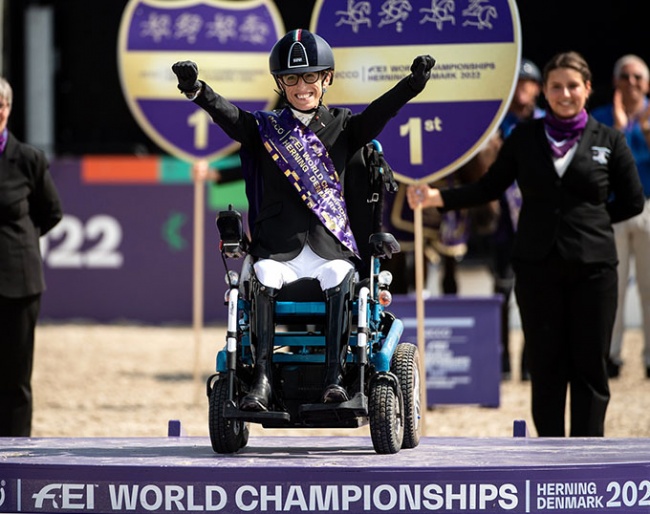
(304,160)
(453,228)
(513,198)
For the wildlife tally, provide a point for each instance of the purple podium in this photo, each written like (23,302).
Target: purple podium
(325,474)
(462,347)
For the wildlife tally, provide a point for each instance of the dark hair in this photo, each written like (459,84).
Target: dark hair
(572,60)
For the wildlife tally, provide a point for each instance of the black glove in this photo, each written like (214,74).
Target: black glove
(188,74)
(421,71)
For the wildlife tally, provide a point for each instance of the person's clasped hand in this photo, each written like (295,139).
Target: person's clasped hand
(187,73)
(421,71)
(423,195)
(201,170)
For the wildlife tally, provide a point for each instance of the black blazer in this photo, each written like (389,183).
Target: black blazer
(284,224)
(29,207)
(575,213)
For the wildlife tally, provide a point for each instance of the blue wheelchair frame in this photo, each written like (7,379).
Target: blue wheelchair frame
(367,324)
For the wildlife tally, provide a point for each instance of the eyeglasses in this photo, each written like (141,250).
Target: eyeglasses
(628,76)
(292,79)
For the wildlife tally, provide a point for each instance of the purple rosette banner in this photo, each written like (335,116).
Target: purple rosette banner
(229,40)
(476,44)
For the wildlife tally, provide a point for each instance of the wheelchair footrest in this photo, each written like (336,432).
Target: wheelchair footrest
(319,413)
(231,411)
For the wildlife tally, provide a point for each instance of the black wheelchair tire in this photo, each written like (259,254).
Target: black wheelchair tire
(386,417)
(226,435)
(406,367)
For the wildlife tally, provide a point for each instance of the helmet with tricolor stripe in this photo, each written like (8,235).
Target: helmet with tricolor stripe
(300,51)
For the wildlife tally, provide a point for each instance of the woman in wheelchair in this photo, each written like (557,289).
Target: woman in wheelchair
(293,159)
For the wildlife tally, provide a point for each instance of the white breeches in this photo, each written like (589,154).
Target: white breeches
(307,264)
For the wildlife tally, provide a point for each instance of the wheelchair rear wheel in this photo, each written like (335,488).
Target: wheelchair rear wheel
(386,416)
(406,367)
(226,435)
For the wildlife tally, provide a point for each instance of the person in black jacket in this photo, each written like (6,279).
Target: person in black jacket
(292,161)
(29,208)
(577,177)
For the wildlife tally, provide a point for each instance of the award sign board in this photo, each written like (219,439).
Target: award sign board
(462,347)
(229,40)
(477,47)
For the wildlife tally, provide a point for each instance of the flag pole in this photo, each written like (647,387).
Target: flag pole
(198,276)
(419,309)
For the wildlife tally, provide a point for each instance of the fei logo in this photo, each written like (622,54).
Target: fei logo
(2,492)
(65,496)
(600,154)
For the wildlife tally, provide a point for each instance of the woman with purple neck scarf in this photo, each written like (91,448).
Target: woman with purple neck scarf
(577,177)
(29,207)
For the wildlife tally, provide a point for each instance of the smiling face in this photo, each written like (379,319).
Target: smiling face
(633,83)
(6,98)
(566,92)
(302,95)
(5,110)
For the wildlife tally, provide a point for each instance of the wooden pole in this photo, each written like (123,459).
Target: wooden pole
(419,309)
(197,297)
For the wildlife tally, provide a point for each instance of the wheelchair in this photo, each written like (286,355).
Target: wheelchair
(381,373)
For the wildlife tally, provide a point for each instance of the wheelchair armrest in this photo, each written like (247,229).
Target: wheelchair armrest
(234,242)
(384,245)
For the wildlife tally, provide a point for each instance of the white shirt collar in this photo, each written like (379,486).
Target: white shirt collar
(304,117)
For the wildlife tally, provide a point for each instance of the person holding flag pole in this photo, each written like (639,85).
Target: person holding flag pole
(577,176)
